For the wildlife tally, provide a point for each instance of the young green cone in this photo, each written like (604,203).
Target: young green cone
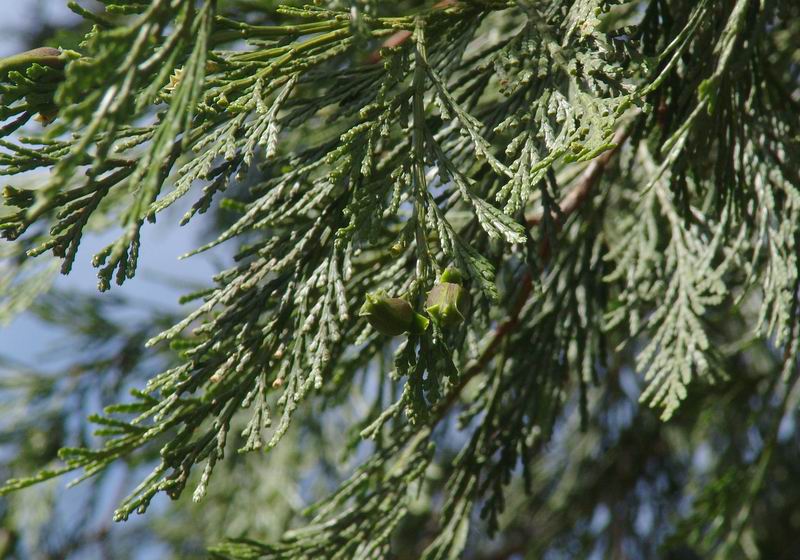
(446,299)
(392,316)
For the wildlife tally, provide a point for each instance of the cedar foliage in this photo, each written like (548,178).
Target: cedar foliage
(617,182)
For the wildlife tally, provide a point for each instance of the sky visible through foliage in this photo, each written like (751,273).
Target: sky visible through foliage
(30,342)
(162,279)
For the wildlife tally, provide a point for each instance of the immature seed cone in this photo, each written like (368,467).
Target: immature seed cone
(451,276)
(392,316)
(46,56)
(446,300)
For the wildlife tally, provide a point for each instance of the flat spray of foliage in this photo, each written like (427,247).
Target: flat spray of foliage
(616,181)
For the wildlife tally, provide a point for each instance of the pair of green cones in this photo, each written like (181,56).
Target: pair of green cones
(394,316)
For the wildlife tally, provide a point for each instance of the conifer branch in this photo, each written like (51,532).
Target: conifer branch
(505,328)
(588,179)
(398,160)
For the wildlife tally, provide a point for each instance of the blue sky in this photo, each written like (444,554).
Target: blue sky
(160,273)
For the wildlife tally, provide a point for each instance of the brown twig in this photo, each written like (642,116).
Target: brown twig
(400,37)
(589,178)
(578,195)
(502,330)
